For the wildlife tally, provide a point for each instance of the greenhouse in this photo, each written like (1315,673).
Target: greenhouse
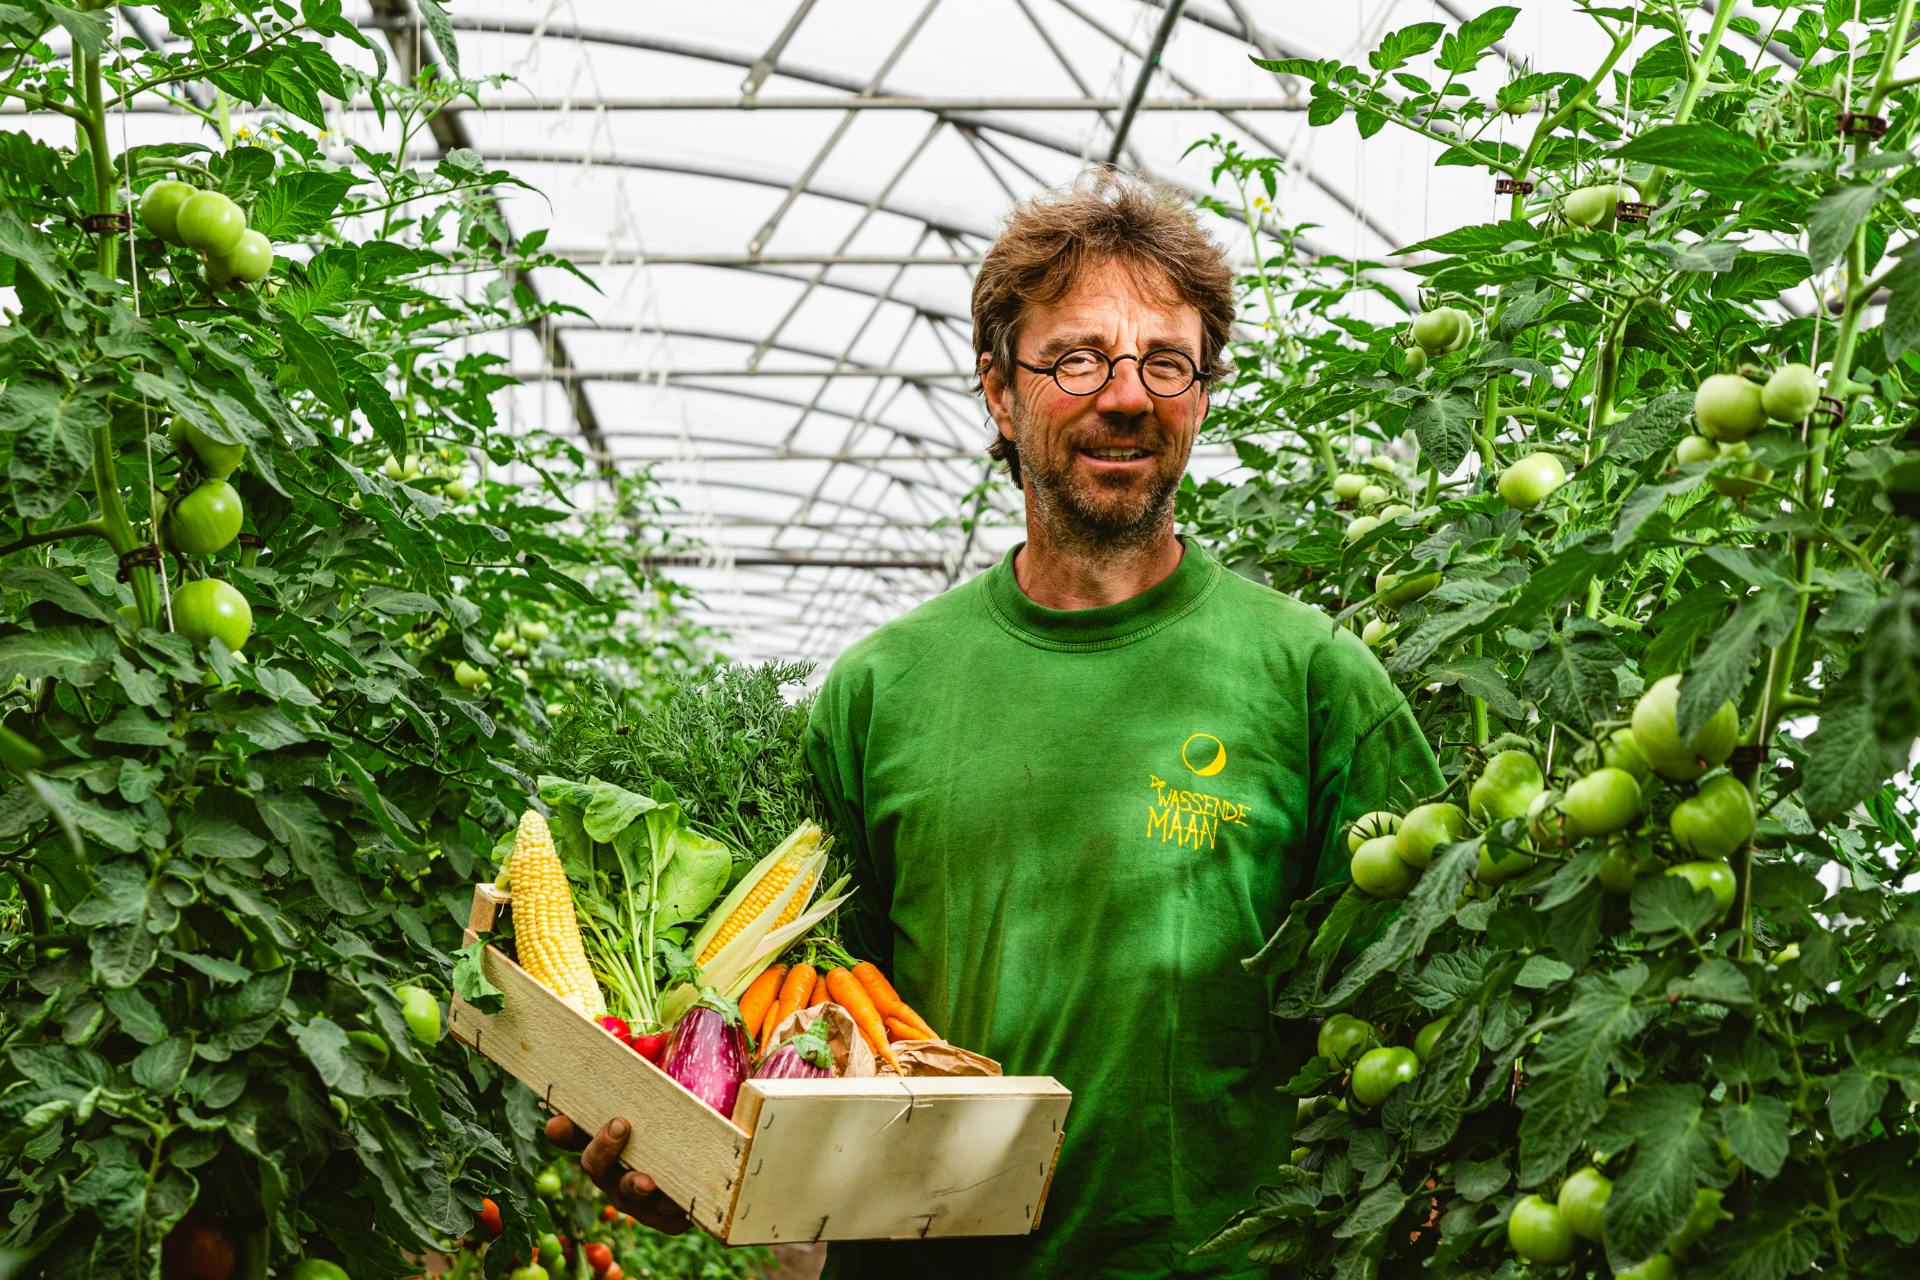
(952,638)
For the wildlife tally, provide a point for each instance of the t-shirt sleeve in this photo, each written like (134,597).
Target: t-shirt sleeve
(834,742)
(1368,752)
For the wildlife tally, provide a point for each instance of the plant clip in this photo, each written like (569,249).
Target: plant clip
(1858,124)
(1830,409)
(1632,211)
(249,540)
(107,224)
(1512,187)
(148,553)
(1746,757)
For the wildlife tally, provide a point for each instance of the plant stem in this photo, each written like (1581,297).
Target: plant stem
(1702,68)
(86,528)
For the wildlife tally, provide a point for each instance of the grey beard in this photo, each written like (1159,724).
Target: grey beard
(1082,529)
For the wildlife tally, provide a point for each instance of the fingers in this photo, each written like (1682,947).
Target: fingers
(561,1133)
(629,1192)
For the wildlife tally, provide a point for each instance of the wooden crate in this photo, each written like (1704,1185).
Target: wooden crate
(874,1159)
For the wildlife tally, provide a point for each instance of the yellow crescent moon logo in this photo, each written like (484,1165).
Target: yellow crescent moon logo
(1218,763)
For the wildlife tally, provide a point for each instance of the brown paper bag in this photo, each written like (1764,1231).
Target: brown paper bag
(852,1056)
(938,1058)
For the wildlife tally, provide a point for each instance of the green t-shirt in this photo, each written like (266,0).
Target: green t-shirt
(1069,827)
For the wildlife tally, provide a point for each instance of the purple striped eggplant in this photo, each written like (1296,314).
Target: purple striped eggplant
(707,1054)
(805,1057)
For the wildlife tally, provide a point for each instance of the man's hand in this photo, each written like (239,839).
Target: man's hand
(629,1192)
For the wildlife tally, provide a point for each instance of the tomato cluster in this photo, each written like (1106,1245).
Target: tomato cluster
(211,224)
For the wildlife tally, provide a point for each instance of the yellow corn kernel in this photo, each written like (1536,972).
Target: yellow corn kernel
(545,930)
(770,886)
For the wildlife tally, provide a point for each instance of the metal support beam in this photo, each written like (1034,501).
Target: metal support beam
(764,64)
(1148,62)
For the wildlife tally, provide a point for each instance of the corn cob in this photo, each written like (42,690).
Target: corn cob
(768,881)
(545,930)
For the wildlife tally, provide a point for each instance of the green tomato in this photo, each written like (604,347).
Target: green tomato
(1397,590)
(1716,820)
(1621,751)
(1298,1154)
(1464,334)
(1347,486)
(1527,483)
(1416,361)
(535,632)
(1359,527)
(1706,1212)
(375,1045)
(1369,826)
(1605,801)
(1427,827)
(1436,330)
(1378,870)
(160,208)
(1695,449)
(532,1271)
(422,1013)
(209,607)
(1742,476)
(1539,1233)
(1494,870)
(1342,1038)
(249,261)
(1583,1202)
(1429,1035)
(210,222)
(1505,787)
(1375,633)
(1710,876)
(1727,407)
(1595,206)
(468,676)
(1791,393)
(1383,464)
(547,1184)
(1547,821)
(1393,511)
(1380,1071)
(1619,870)
(1372,495)
(205,520)
(1786,954)
(317,1269)
(1658,1267)
(1656,729)
(217,458)
(549,1246)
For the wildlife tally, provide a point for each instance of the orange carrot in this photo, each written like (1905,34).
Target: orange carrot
(794,992)
(887,1000)
(819,996)
(767,1024)
(899,1030)
(851,996)
(758,996)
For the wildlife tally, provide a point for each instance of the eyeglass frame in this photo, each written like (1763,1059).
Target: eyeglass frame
(1052,371)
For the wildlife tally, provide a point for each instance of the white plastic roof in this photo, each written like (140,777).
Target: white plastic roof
(783,202)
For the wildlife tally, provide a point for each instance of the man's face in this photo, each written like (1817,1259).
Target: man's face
(1101,470)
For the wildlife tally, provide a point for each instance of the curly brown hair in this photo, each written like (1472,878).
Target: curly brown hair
(1103,216)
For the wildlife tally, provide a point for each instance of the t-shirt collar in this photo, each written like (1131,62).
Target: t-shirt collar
(1106,625)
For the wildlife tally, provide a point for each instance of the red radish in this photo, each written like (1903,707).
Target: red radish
(708,1056)
(652,1046)
(616,1027)
(805,1057)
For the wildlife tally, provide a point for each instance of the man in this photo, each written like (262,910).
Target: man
(1079,788)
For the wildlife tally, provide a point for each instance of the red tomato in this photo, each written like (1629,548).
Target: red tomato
(490,1217)
(198,1249)
(608,1213)
(599,1257)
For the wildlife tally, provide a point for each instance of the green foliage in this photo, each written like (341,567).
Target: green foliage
(219,868)
(1749,1082)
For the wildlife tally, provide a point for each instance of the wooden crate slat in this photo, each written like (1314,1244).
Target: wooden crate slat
(691,1151)
(886,1158)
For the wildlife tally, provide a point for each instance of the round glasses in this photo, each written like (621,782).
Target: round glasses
(1084,371)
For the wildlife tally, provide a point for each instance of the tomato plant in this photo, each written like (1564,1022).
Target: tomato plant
(232,887)
(1671,674)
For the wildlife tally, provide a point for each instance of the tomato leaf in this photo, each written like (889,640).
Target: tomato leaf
(1757,1131)
(1673,1156)
(1570,1068)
